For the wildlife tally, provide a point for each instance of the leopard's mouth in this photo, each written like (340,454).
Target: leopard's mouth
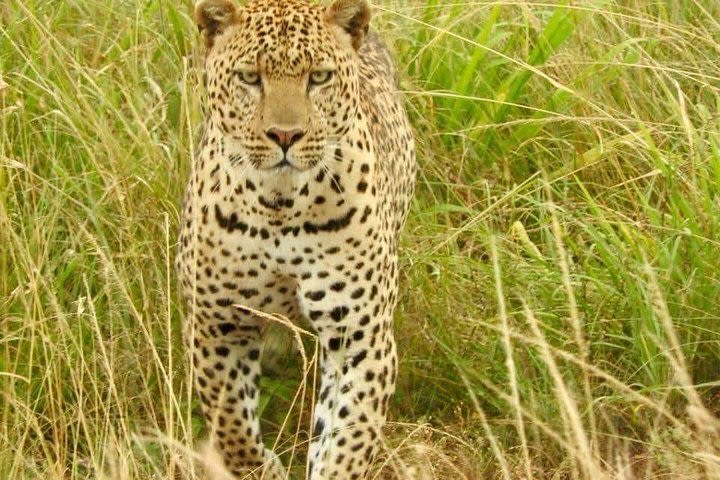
(291,164)
(281,165)
(274,164)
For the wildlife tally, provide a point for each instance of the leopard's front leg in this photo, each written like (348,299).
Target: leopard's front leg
(225,350)
(351,311)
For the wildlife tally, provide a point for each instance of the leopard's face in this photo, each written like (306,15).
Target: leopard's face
(282,85)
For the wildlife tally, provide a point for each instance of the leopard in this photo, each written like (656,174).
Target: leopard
(299,188)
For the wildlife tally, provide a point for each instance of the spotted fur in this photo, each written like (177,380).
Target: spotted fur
(299,190)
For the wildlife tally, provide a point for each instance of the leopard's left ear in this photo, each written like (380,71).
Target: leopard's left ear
(213,17)
(353,16)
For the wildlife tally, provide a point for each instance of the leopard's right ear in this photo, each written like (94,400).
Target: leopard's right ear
(213,17)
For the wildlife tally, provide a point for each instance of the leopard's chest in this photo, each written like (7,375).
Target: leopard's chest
(287,223)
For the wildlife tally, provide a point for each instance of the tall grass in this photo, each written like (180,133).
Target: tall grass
(559,316)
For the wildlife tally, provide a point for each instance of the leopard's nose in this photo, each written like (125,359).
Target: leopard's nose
(285,138)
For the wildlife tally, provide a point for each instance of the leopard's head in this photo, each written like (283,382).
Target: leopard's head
(282,77)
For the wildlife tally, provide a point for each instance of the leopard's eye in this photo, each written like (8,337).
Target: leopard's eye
(249,78)
(320,77)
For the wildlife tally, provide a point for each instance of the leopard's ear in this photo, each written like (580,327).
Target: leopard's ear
(213,17)
(353,16)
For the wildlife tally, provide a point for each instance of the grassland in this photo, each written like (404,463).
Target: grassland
(560,315)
